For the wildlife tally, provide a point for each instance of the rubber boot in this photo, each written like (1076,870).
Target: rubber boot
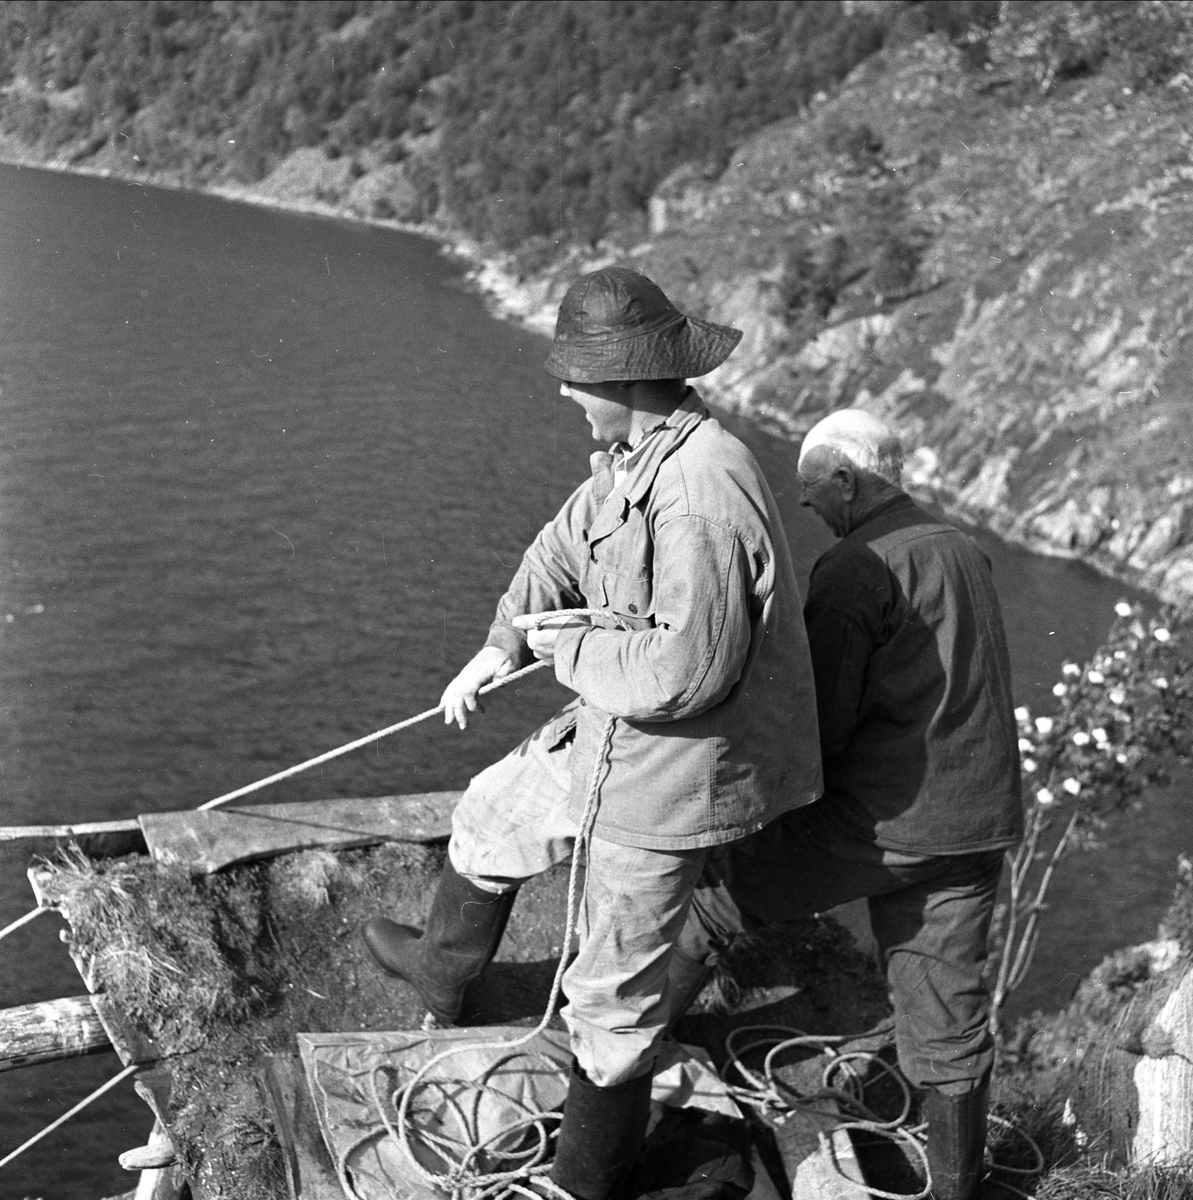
(956,1142)
(463,932)
(601,1136)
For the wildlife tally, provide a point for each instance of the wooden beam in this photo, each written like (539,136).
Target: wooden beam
(20,833)
(48,1030)
(97,839)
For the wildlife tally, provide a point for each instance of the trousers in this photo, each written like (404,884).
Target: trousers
(930,916)
(512,823)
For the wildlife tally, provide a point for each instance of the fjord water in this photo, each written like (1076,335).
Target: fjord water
(262,479)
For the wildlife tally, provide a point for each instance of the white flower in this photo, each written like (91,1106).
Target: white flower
(1059,689)
(1120,757)
(1161,683)
(1123,608)
(1071,786)
(1118,696)
(1026,746)
(1096,677)
(1100,735)
(1022,715)
(1043,725)
(1161,634)
(1044,798)
(1081,738)
(1029,765)
(1070,669)
(1120,655)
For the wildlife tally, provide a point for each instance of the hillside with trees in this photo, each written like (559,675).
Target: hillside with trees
(972,215)
(510,120)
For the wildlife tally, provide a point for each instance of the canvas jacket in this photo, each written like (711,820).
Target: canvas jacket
(914,683)
(711,689)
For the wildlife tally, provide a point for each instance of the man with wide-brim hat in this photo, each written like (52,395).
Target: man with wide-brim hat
(694,723)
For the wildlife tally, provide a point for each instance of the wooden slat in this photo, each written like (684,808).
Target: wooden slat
(49,1030)
(206,840)
(19,833)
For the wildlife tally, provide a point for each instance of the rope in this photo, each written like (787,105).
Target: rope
(363,741)
(765,1090)
(461,1179)
(66,1116)
(33,912)
(314,762)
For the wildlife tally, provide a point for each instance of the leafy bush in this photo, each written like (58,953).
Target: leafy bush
(1120,721)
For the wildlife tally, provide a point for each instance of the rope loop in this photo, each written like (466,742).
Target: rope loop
(462,1180)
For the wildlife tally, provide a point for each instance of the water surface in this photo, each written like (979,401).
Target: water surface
(262,480)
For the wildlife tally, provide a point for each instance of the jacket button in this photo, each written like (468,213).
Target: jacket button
(583,702)
(633,608)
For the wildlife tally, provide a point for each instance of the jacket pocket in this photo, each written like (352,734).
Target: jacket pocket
(630,597)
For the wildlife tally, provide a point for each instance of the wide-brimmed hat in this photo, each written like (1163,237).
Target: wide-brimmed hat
(616,323)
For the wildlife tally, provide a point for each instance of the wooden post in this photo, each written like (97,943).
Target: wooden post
(1164,1082)
(51,1029)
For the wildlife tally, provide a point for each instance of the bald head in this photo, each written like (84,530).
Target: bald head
(864,442)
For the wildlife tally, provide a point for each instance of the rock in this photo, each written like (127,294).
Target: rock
(1165,534)
(1175,584)
(1070,528)
(1164,1082)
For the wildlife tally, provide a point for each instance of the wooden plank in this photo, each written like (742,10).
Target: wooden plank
(97,839)
(310,1173)
(49,1030)
(206,840)
(819,1158)
(17,833)
(127,1040)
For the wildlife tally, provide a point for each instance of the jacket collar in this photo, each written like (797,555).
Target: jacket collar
(642,463)
(658,443)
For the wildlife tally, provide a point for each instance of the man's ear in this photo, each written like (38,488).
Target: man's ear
(846,479)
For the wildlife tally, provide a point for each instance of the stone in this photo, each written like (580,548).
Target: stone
(1164,1082)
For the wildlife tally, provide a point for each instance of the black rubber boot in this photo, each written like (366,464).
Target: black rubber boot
(601,1136)
(956,1142)
(463,932)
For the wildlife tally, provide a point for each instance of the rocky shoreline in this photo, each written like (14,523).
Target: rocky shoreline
(1029,350)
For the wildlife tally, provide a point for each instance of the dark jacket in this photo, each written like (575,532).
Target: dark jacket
(913,685)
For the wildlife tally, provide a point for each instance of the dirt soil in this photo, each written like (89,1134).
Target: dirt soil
(272,949)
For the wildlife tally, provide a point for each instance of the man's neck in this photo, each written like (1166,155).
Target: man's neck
(868,504)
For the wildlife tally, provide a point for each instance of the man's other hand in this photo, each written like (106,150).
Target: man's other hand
(542,642)
(459,697)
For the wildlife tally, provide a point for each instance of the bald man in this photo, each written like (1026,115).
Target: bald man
(921,771)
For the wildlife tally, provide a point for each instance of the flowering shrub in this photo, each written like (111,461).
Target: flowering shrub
(1119,721)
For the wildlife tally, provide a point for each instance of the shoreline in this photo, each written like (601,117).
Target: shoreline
(531,304)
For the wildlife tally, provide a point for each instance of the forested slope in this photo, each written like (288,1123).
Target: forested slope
(509,119)
(974,216)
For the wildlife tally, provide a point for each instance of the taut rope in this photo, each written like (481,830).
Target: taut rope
(362,741)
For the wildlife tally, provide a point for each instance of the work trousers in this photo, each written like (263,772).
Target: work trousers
(930,916)
(512,823)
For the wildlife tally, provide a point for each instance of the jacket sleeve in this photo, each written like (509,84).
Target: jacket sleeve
(697,647)
(841,643)
(548,577)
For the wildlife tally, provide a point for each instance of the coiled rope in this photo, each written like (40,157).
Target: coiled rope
(463,1179)
(765,1090)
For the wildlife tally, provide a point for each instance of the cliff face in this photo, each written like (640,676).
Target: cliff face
(996,258)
